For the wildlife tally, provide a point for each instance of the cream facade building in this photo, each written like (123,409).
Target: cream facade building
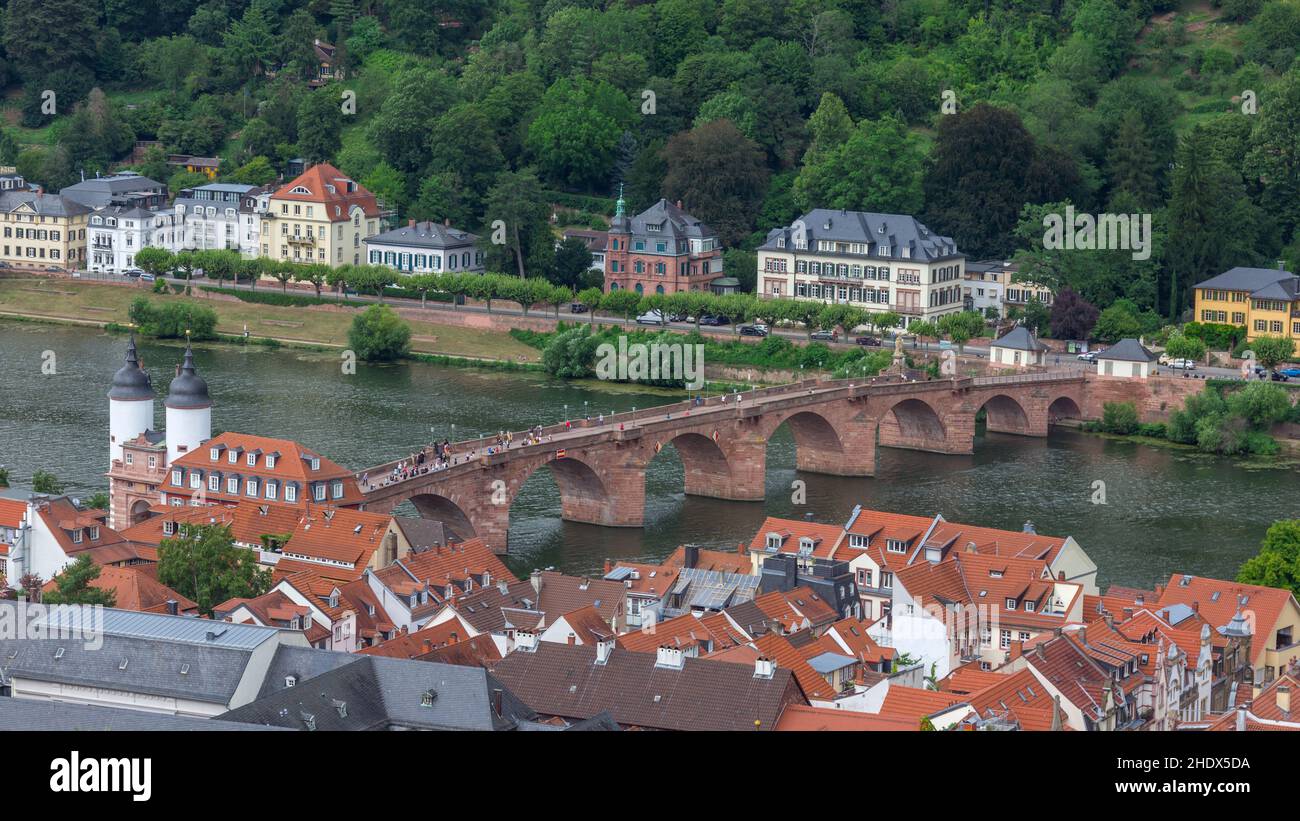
(42,231)
(322,216)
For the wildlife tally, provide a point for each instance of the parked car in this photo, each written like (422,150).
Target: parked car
(577,308)
(1182,364)
(679,318)
(133,273)
(825,336)
(752,330)
(1290,372)
(713,319)
(651,318)
(1278,376)
(147,277)
(1089,356)
(868,340)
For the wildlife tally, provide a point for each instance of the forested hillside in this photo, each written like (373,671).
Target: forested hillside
(749,111)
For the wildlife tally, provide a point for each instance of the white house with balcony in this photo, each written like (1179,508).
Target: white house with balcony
(208,218)
(115,234)
(879,262)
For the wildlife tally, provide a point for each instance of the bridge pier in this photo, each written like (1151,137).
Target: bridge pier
(854,455)
(619,501)
(738,472)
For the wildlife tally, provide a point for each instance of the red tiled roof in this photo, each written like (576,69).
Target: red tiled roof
(712,633)
(799,718)
(780,650)
(913,704)
(319,180)
(11,512)
(292,464)
(1218,601)
(135,590)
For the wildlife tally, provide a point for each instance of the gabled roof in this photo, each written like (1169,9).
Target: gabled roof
(1020,696)
(375,693)
(1264,283)
(425,235)
(669,222)
(62,716)
(135,590)
(709,634)
(326,185)
(893,231)
(292,464)
(1127,350)
(1217,602)
(1019,338)
(565,680)
(799,718)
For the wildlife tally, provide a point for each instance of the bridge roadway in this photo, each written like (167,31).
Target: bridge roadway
(599,466)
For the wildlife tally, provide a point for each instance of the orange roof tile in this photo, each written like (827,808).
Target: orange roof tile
(328,185)
(800,718)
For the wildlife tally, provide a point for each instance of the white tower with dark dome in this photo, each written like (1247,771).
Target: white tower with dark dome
(189,410)
(130,403)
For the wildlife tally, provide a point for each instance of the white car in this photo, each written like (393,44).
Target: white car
(651,318)
(1181,364)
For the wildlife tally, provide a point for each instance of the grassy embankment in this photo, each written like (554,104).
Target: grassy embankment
(99,304)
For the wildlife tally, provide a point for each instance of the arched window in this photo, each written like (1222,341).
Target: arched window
(639,289)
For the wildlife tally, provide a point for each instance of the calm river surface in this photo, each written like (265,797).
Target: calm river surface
(1166,510)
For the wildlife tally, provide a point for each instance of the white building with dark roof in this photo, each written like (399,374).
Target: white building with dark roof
(1018,347)
(1128,358)
(880,262)
(426,248)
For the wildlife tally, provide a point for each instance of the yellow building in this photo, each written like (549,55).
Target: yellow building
(42,231)
(321,216)
(1265,301)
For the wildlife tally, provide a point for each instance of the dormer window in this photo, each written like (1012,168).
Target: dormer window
(270,462)
(214,454)
(1029,607)
(169,528)
(177,478)
(1011,604)
(196,479)
(858,540)
(234,457)
(76,536)
(320,492)
(774,541)
(252,459)
(291,493)
(896,546)
(806,544)
(315,463)
(232,484)
(337,489)
(251,487)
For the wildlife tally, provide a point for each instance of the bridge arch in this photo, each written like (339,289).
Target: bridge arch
(913,419)
(1063,407)
(1005,414)
(835,441)
(443,509)
(584,494)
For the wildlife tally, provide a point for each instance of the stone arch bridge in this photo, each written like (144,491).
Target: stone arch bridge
(837,425)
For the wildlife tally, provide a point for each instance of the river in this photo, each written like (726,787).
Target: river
(1165,510)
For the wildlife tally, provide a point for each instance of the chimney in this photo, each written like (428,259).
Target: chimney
(1284,700)
(691,556)
(503,586)
(1128,613)
(537,584)
(1196,607)
(1017,649)
(1241,719)
(1140,600)
(740,548)
(670,657)
(608,566)
(1160,591)
(526,641)
(1110,620)
(1082,633)
(410,223)
(764,667)
(603,648)
(173,608)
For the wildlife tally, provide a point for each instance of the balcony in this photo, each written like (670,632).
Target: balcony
(906,310)
(295,239)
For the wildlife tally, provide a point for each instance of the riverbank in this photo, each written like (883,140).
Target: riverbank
(101,305)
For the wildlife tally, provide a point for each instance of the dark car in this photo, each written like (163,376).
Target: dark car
(752,330)
(825,336)
(714,320)
(868,340)
(577,308)
(678,318)
(1278,376)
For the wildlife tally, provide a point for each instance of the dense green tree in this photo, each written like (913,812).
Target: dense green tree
(1278,562)
(719,175)
(515,207)
(320,126)
(46,482)
(575,134)
(876,168)
(74,585)
(203,563)
(378,334)
(1073,317)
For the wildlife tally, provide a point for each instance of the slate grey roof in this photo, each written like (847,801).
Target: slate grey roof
(671,223)
(50,205)
(50,716)
(302,663)
(1019,339)
(897,231)
(188,389)
(378,693)
(121,211)
(422,533)
(1256,280)
(173,656)
(100,191)
(138,665)
(131,382)
(602,722)
(425,235)
(828,662)
(1127,350)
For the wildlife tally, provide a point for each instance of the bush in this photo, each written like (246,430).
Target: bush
(379,335)
(1120,418)
(170,320)
(1154,430)
(570,354)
